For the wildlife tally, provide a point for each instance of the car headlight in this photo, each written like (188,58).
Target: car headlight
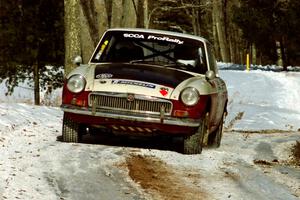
(76,83)
(190,96)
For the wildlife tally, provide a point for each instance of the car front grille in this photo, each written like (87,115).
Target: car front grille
(122,102)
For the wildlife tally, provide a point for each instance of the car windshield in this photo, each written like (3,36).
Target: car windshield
(169,51)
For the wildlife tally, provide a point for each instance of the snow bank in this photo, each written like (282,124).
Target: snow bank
(267,100)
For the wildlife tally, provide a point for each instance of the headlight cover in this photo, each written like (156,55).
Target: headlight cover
(190,96)
(76,83)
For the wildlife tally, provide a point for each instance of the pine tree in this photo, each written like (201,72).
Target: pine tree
(30,38)
(273,26)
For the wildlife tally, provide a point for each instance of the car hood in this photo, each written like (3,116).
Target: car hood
(137,79)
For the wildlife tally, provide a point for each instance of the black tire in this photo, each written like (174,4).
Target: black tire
(214,139)
(194,143)
(70,130)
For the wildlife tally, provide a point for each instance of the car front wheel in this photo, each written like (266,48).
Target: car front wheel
(194,143)
(214,139)
(70,130)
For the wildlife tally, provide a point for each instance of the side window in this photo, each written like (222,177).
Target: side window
(202,64)
(102,51)
(212,59)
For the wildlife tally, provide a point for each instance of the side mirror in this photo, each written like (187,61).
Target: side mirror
(77,60)
(209,75)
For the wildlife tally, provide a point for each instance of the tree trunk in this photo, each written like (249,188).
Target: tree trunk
(237,37)
(129,17)
(108,7)
(215,35)
(231,31)
(231,43)
(254,57)
(259,61)
(92,25)
(90,14)
(140,14)
(123,14)
(196,21)
(236,45)
(242,57)
(279,53)
(283,54)
(220,29)
(146,10)
(36,77)
(72,33)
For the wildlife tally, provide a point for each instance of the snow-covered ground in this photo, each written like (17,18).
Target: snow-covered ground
(253,162)
(268,100)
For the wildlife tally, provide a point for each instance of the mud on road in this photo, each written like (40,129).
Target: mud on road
(160,180)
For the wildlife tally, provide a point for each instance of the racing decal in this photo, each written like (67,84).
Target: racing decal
(103,76)
(134,35)
(152,37)
(164,91)
(136,83)
(164,38)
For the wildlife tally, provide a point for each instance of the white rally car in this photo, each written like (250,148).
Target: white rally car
(148,82)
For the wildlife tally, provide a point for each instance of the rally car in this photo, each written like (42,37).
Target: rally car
(147,82)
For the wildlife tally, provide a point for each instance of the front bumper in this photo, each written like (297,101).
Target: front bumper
(146,118)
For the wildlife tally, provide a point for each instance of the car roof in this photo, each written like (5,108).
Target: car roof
(163,32)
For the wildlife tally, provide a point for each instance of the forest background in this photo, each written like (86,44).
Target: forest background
(36,34)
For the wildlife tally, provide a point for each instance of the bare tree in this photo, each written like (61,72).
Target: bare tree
(234,36)
(191,8)
(86,21)
(218,15)
(90,14)
(72,33)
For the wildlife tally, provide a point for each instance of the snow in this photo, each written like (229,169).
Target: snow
(269,100)
(263,123)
